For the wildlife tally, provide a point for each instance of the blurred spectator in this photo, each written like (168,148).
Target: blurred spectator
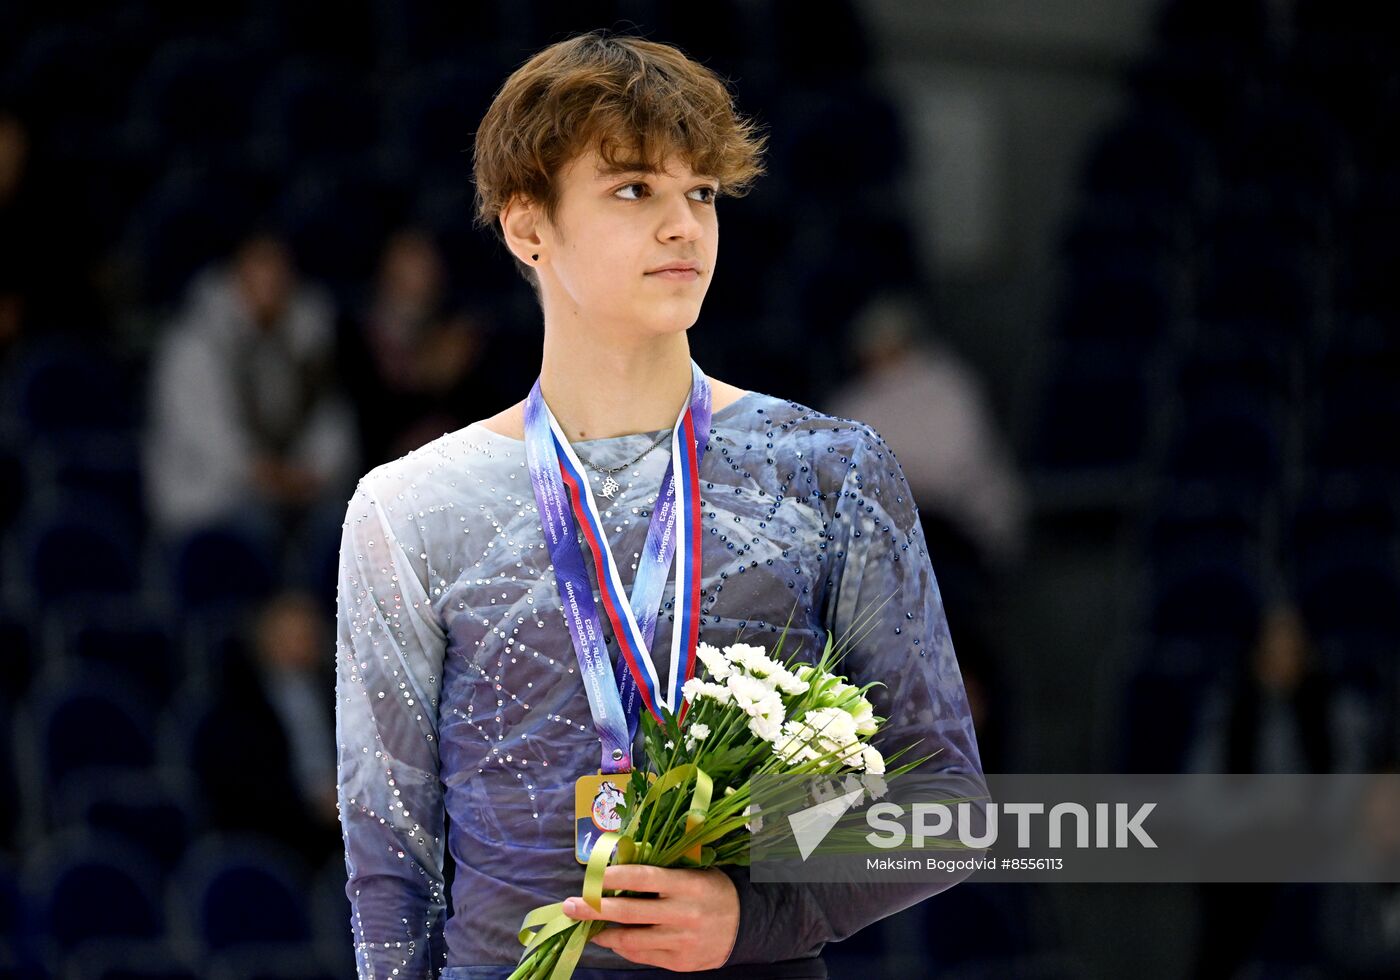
(932,410)
(265,750)
(1279,713)
(410,354)
(245,416)
(1359,924)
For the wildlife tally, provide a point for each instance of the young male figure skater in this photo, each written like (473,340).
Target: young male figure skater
(463,683)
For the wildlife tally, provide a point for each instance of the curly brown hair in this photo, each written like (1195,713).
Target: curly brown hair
(637,102)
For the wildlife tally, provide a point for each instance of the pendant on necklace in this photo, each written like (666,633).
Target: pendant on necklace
(610,487)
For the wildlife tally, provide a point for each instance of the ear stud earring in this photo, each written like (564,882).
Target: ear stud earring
(535,257)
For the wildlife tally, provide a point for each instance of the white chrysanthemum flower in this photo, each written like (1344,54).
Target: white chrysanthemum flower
(690,744)
(716,692)
(765,727)
(768,706)
(790,683)
(752,659)
(696,688)
(833,724)
(746,690)
(670,745)
(714,660)
(873,759)
(755,821)
(795,743)
(700,731)
(863,713)
(848,754)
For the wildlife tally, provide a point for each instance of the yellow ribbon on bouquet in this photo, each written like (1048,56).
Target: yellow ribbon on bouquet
(543,923)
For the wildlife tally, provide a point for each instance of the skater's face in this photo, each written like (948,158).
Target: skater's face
(598,259)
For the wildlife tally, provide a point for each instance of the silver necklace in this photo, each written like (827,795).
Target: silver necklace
(611,486)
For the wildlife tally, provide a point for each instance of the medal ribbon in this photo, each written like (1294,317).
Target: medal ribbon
(675,527)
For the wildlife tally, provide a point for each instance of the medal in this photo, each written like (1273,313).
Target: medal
(597,799)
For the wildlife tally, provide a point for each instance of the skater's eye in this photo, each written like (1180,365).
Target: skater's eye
(707,189)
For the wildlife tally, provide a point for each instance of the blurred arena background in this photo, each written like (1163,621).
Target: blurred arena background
(1116,279)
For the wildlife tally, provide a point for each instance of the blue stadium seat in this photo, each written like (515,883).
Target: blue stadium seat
(1197,519)
(189,219)
(1229,441)
(132,640)
(93,720)
(86,886)
(58,389)
(434,108)
(195,95)
(1217,366)
(289,961)
(222,565)
(129,959)
(75,553)
(101,473)
(337,221)
(1341,513)
(154,812)
(23,950)
(231,892)
(76,77)
(1260,297)
(416,32)
(309,115)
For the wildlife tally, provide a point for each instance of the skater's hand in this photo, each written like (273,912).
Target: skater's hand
(690,925)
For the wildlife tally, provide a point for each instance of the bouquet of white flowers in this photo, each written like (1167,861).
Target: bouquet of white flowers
(752,715)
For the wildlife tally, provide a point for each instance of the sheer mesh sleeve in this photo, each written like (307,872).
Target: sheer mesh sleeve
(389,653)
